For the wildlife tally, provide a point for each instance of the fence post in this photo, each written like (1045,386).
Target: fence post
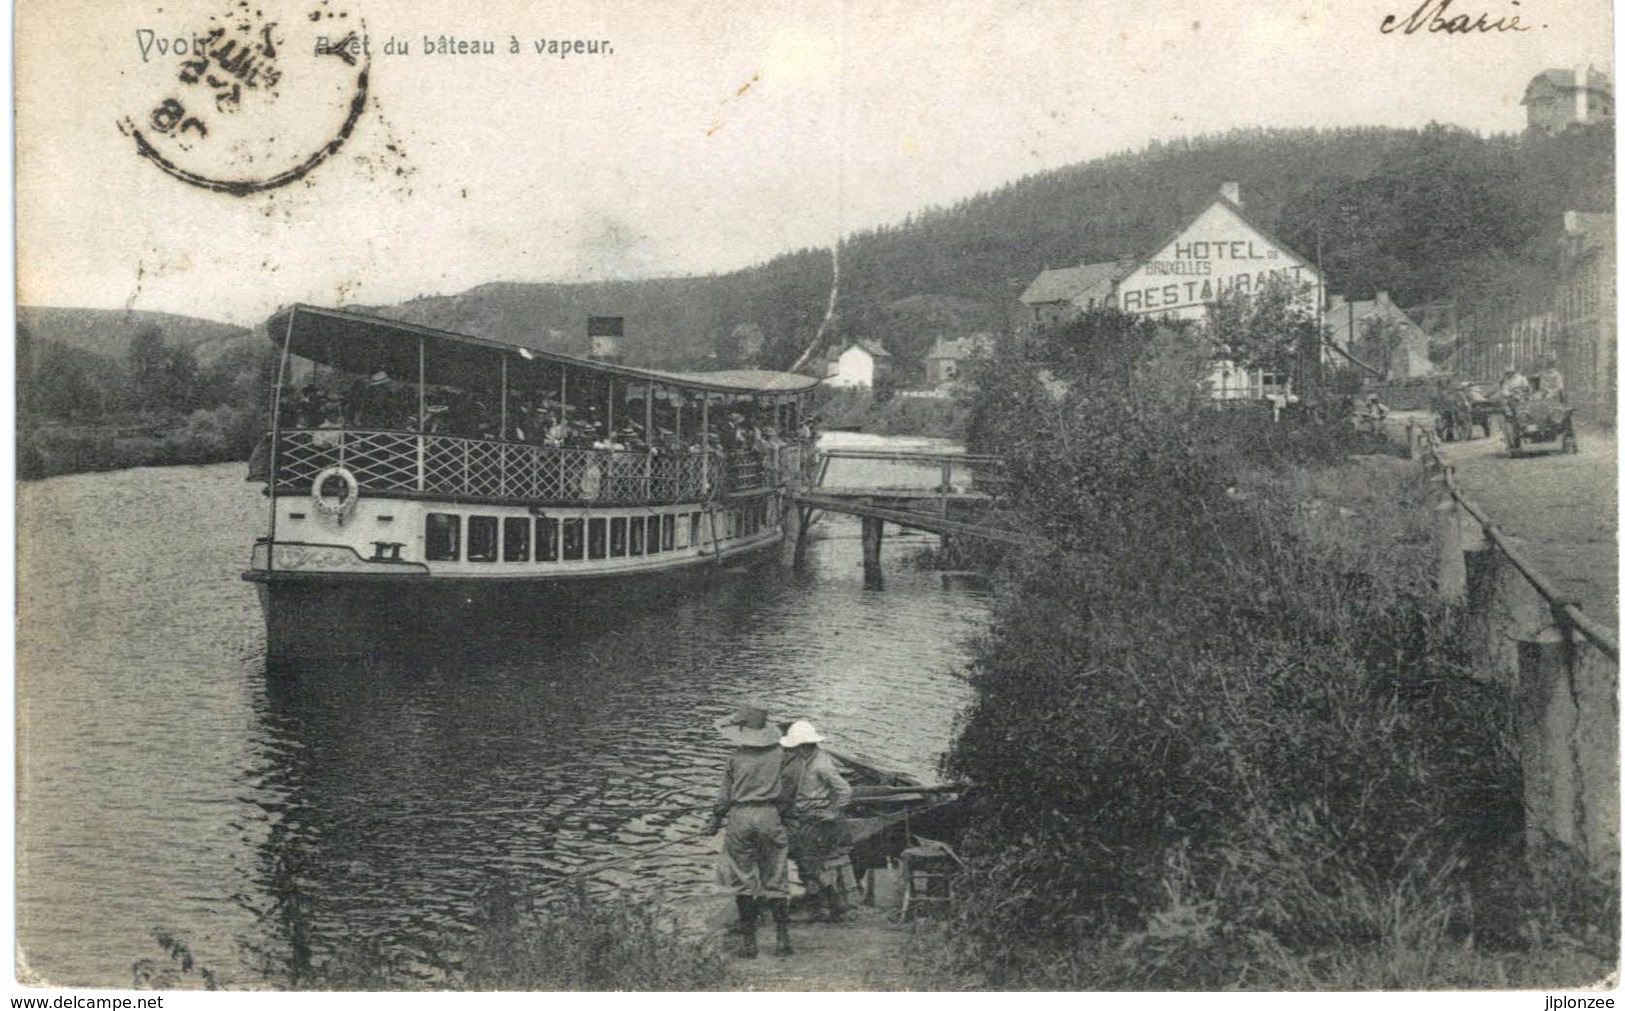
(1546,723)
(1593,682)
(1479,564)
(1452,578)
(421,439)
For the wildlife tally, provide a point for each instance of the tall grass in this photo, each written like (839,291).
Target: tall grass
(569,940)
(1224,734)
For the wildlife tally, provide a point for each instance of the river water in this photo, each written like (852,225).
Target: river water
(168,782)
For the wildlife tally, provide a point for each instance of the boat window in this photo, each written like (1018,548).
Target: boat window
(694,529)
(617,536)
(668,530)
(595,538)
(634,535)
(442,535)
(516,539)
(482,538)
(573,541)
(547,540)
(653,547)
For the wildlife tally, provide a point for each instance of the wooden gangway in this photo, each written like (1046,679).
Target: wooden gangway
(957,505)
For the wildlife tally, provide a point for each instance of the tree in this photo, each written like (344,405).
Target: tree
(162,378)
(1271,328)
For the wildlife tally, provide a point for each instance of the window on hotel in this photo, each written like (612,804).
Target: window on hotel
(482,538)
(634,535)
(574,542)
(547,540)
(442,537)
(516,539)
(595,538)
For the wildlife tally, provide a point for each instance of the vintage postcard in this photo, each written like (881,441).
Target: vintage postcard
(817,495)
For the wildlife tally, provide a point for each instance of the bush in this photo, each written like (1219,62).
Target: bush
(1223,734)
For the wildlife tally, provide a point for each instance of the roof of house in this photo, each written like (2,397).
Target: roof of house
(960,347)
(1562,79)
(1337,316)
(1066,283)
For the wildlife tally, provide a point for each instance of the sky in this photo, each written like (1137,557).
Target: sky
(711,136)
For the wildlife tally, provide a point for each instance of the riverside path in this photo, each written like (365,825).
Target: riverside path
(1560,510)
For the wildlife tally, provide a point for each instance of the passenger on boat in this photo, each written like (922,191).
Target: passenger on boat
(755,850)
(365,403)
(815,796)
(309,409)
(558,431)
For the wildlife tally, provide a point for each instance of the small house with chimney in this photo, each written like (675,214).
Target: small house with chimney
(1058,295)
(1560,98)
(943,363)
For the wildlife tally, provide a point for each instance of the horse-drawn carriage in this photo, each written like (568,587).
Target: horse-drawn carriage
(1459,410)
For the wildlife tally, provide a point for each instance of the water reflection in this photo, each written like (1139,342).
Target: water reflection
(402,789)
(168,780)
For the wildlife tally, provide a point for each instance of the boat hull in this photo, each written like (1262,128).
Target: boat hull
(325,616)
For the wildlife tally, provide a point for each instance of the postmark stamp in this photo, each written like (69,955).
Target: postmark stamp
(254,97)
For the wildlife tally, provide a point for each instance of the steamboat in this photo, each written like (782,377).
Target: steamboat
(426,484)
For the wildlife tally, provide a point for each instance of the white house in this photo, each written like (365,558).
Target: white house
(858,363)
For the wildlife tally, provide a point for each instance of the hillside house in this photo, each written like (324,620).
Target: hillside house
(1056,296)
(1348,324)
(943,363)
(1560,98)
(859,362)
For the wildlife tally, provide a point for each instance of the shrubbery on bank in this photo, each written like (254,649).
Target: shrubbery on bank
(1224,735)
(573,941)
(212,435)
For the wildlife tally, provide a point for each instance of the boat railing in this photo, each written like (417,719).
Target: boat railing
(492,469)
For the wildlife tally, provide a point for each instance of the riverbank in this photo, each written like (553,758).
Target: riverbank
(1226,734)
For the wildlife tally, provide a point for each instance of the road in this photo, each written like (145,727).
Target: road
(1561,511)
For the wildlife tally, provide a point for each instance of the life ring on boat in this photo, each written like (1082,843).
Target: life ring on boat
(339,507)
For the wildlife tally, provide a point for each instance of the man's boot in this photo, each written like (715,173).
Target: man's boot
(836,897)
(747,925)
(781,926)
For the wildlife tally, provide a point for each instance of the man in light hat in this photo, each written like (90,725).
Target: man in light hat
(755,851)
(816,795)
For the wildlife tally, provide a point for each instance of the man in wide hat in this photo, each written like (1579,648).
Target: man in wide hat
(755,851)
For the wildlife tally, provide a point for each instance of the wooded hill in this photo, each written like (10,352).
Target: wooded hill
(1425,214)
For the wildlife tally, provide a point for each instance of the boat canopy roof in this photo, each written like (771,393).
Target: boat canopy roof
(363,344)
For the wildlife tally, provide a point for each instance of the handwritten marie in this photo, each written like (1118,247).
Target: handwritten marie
(1434,16)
